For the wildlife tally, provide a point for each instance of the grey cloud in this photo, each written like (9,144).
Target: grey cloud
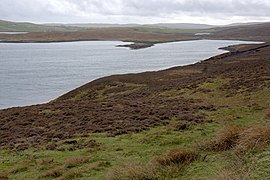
(132,10)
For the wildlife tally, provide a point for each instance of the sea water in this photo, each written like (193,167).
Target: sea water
(33,73)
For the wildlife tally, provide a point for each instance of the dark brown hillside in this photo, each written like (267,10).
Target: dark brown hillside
(244,32)
(134,102)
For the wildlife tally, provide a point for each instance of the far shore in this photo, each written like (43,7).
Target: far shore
(233,49)
(133,45)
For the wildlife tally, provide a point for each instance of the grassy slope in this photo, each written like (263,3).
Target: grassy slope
(146,146)
(128,155)
(259,32)
(114,156)
(20,27)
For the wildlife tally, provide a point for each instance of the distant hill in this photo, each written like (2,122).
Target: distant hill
(8,26)
(245,31)
(181,26)
(13,26)
(97,25)
(236,29)
(158,25)
(241,24)
(256,31)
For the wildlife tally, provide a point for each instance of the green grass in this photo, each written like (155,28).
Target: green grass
(102,93)
(144,147)
(259,163)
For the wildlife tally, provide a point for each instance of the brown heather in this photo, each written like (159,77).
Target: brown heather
(75,161)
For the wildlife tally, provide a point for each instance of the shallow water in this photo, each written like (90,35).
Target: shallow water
(35,73)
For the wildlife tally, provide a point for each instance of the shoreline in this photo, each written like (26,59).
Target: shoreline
(134,45)
(130,103)
(205,117)
(229,49)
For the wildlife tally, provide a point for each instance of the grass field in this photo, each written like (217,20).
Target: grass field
(231,144)
(209,120)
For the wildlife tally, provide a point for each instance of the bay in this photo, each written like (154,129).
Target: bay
(33,73)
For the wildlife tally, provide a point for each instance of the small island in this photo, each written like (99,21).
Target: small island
(135,46)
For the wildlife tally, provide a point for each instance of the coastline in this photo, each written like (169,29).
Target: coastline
(144,115)
(232,49)
(207,119)
(134,92)
(134,45)
(162,69)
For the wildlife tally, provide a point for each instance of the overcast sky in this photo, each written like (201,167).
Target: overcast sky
(136,11)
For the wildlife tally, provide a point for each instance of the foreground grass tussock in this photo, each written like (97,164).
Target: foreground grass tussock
(240,139)
(177,157)
(226,139)
(75,161)
(166,166)
(133,170)
(256,137)
(52,173)
(4,175)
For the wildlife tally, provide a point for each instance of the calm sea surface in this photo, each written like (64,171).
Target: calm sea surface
(38,72)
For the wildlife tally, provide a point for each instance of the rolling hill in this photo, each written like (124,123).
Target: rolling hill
(259,32)
(8,26)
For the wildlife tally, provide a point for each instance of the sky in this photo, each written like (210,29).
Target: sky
(215,12)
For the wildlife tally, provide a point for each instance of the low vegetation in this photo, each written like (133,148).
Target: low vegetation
(76,161)
(225,149)
(52,173)
(205,121)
